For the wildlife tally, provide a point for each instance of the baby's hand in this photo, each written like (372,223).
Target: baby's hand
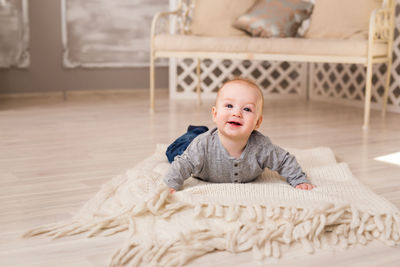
(305,186)
(171,190)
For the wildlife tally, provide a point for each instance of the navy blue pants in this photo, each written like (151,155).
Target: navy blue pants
(179,145)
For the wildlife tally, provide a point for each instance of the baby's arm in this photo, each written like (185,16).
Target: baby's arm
(287,166)
(178,172)
(184,166)
(295,176)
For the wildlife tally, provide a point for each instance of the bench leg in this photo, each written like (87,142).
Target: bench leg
(151,83)
(198,88)
(368,87)
(387,85)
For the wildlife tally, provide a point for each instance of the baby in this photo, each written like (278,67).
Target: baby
(234,152)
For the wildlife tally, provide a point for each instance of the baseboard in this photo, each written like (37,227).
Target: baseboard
(78,93)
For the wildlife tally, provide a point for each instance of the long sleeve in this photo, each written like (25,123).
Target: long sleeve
(285,164)
(291,170)
(185,165)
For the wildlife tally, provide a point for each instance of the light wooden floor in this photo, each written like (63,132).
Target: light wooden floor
(55,155)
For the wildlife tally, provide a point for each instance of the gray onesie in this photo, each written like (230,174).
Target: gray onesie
(206,159)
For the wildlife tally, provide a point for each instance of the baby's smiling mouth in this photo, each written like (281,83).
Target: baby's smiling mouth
(235,123)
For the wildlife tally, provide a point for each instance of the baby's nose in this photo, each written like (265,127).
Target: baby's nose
(237,112)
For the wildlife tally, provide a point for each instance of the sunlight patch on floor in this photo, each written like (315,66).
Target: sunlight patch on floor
(393,158)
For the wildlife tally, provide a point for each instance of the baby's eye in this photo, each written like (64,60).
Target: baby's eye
(247,109)
(229,105)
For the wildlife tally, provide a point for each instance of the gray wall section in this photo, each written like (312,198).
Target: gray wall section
(46,73)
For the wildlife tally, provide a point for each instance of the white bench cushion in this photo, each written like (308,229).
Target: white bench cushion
(245,44)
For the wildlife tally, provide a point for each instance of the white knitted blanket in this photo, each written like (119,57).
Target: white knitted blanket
(264,216)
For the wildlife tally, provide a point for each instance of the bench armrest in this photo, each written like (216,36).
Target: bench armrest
(381,25)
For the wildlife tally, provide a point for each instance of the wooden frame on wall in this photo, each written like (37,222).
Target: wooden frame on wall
(14,34)
(102,33)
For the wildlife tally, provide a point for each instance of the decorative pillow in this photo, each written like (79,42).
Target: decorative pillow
(305,25)
(215,17)
(274,18)
(341,19)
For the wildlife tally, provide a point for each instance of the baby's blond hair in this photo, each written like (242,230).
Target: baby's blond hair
(247,82)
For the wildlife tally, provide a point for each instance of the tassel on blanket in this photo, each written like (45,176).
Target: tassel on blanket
(263,237)
(100,224)
(258,230)
(173,253)
(266,238)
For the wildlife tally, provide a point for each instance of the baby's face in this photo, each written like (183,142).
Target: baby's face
(238,110)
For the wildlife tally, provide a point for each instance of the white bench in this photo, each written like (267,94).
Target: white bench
(374,47)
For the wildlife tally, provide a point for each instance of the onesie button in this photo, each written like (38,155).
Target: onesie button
(236,181)
(236,173)
(236,164)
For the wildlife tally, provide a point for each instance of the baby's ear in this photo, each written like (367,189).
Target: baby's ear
(259,121)
(214,113)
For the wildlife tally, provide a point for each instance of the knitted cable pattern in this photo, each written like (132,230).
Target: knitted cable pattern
(264,217)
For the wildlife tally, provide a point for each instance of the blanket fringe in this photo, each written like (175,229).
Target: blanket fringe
(261,229)
(174,253)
